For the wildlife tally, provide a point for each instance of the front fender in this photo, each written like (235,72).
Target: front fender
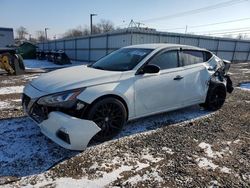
(122,90)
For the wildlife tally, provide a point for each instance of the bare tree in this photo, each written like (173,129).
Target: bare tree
(77,32)
(21,32)
(40,36)
(96,29)
(86,31)
(102,27)
(106,26)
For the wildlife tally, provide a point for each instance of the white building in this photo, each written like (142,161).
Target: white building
(6,36)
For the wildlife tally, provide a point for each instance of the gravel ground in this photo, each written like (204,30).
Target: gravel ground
(213,150)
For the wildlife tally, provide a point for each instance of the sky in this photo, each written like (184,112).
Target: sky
(61,15)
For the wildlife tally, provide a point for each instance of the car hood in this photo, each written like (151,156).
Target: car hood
(73,78)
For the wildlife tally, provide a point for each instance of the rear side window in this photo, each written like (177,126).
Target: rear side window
(166,60)
(190,57)
(207,56)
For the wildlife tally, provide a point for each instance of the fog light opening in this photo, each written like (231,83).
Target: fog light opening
(61,133)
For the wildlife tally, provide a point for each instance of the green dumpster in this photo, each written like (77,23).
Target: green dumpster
(27,50)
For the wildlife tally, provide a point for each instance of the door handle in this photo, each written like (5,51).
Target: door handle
(178,77)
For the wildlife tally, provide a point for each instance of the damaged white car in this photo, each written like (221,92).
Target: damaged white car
(75,105)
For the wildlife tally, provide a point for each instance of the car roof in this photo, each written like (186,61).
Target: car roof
(155,46)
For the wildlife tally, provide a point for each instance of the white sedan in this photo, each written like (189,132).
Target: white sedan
(75,105)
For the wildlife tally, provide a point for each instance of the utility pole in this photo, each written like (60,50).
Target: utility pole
(186,29)
(91,23)
(46,36)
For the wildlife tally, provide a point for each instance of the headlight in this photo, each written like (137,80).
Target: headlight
(64,99)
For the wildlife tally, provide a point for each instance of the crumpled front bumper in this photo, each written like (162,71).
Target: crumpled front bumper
(67,131)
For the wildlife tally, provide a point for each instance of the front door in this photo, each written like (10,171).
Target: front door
(161,91)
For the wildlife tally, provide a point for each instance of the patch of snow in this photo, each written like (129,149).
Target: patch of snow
(168,150)
(247,72)
(225,170)
(25,150)
(170,163)
(246,177)
(8,81)
(236,141)
(148,176)
(44,64)
(213,184)
(213,154)
(206,163)
(230,73)
(30,77)
(94,166)
(5,105)
(245,86)
(151,158)
(151,123)
(207,149)
(244,69)
(16,100)
(133,180)
(11,89)
(141,166)
(152,175)
(156,176)
(103,181)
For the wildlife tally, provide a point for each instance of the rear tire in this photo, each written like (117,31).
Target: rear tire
(216,96)
(110,115)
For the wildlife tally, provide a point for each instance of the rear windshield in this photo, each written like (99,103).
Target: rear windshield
(122,60)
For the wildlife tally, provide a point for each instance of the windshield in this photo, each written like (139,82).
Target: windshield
(122,60)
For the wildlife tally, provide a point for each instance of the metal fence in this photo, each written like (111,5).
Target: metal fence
(92,48)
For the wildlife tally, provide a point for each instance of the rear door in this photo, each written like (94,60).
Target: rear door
(195,76)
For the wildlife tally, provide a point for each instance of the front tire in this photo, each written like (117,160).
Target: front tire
(110,115)
(216,96)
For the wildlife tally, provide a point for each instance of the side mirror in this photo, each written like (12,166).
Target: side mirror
(150,69)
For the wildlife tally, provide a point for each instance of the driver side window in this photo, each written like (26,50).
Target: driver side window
(166,60)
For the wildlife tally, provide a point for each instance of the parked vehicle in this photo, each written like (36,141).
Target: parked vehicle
(11,62)
(77,104)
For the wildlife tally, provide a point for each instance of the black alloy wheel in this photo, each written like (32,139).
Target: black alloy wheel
(216,96)
(110,115)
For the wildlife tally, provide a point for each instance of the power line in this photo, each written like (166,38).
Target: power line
(236,33)
(205,25)
(219,23)
(194,11)
(229,32)
(199,10)
(223,30)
